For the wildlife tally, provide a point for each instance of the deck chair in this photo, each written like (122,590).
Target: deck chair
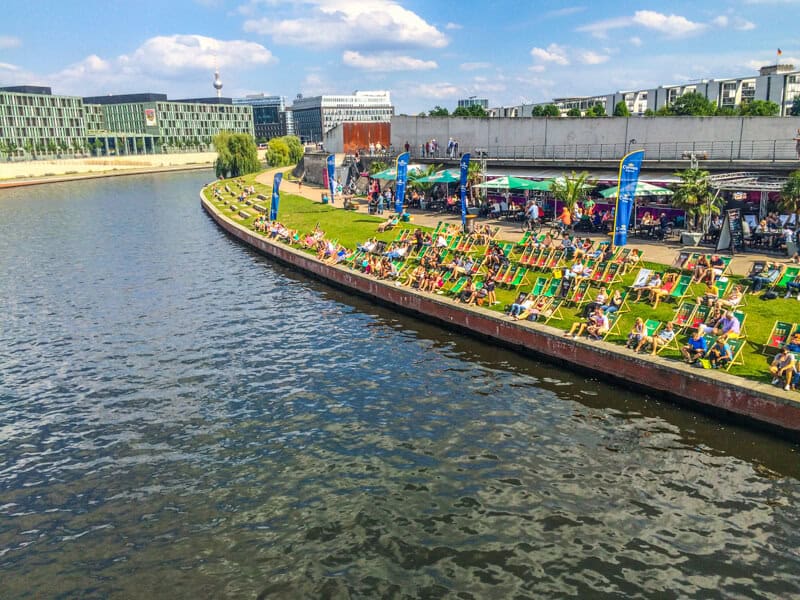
(527,253)
(611,276)
(520,277)
(641,279)
(458,286)
(699,317)
(554,259)
(741,316)
(789,274)
(526,237)
(681,288)
(613,324)
(543,257)
(737,356)
(691,262)
(724,286)
(552,287)
(683,315)
(539,286)
(781,331)
(599,273)
(579,293)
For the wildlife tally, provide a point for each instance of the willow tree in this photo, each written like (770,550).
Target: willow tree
(237,154)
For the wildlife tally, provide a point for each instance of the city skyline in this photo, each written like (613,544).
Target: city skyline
(425,54)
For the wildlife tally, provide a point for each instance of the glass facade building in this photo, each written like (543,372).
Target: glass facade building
(316,115)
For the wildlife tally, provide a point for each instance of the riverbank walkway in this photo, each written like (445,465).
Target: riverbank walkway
(663,252)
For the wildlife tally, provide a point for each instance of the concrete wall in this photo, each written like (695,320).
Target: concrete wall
(723,133)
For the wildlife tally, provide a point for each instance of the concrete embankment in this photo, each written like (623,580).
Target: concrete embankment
(710,391)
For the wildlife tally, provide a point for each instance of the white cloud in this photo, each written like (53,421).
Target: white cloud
(720,21)
(536,68)
(743,24)
(564,12)
(159,61)
(175,53)
(636,41)
(9,41)
(8,67)
(437,90)
(589,57)
(451,26)
(364,24)
(474,66)
(385,61)
(553,53)
(669,25)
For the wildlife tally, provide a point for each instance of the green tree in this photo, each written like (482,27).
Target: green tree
(377,166)
(139,145)
(537,111)
(278,153)
(692,104)
(98,146)
(52,147)
(649,113)
(474,177)
(438,111)
(726,111)
(621,109)
(414,178)
(596,110)
(759,108)
(571,189)
(790,194)
(795,109)
(574,112)
(550,110)
(694,195)
(469,111)
(237,154)
(296,149)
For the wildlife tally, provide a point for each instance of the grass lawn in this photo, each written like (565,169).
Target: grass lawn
(350,228)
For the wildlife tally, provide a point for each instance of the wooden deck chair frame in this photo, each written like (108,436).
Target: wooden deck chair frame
(614,323)
(539,286)
(554,310)
(737,356)
(583,287)
(688,308)
(771,346)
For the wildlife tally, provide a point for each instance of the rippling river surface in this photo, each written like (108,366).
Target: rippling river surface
(181,418)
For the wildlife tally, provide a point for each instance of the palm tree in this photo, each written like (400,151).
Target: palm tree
(474,177)
(790,194)
(571,189)
(414,176)
(694,195)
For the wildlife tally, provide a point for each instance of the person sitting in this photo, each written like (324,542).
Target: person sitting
(592,323)
(535,308)
(518,305)
(599,300)
(614,303)
(661,339)
(478,296)
(389,223)
(467,291)
(734,299)
(637,333)
(568,246)
(783,367)
(794,342)
(720,353)
(600,326)
(771,274)
(665,289)
(728,325)
(716,266)
(416,277)
(695,348)
(710,295)
(701,267)
(653,283)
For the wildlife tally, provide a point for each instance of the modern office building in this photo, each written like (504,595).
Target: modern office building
(316,115)
(148,122)
(473,101)
(270,117)
(775,83)
(35,122)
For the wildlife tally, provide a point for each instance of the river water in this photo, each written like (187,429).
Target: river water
(181,418)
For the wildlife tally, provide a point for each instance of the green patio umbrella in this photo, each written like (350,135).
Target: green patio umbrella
(391,174)
(512,183)
(642,189)
(446,176)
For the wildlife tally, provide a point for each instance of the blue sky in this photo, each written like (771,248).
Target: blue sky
(425,52)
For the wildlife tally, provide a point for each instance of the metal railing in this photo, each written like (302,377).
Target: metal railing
(730,151)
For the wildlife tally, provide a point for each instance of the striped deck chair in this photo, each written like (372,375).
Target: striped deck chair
(790,274)
(539,286)
(553,311)
(742,317)
(613,325)
(681,288)
(520,277)
(554,259)
(543,258)
(683,315)
(458,286)
(777,337)
(699,317)
(611,275)
(579,293)
(599,272)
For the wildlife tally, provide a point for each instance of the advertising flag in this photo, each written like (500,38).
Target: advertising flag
(331,173)
(276,197)
(400,184)
(629,168)
(463,188)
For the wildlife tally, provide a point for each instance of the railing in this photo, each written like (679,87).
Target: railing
(734,150)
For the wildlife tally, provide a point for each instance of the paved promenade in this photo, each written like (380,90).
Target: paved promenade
(654,251)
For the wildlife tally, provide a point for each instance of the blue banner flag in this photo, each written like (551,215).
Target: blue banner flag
(463,189)
(331,173)
(629,168)
(400,183)
(276,197)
